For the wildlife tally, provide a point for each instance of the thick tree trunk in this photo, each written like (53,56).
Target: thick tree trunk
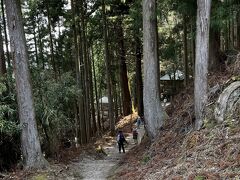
(108,71)
(202,56)
(139,81)
(31,149)
(127,105)
(153,111)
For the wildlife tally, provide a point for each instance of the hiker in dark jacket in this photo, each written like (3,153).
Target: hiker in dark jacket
(121,139)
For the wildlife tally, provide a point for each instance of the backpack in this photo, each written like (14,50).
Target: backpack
(120,137)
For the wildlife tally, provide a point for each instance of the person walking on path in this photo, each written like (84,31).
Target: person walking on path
(120,140)
(135,135)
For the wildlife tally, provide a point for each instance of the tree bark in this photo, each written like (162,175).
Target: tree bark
(31,149)
(96,94)
(108,71)
(153,111)
(78,61)
(214,49)
(139,81)
(185,44)
(5,34)
(3,69)
(90,70)
(202,56)
(127,105)
(85,71)
(238,29)
(193,49)
(51,41)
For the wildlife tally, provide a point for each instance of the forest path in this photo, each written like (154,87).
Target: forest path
(90,168)
(89,165)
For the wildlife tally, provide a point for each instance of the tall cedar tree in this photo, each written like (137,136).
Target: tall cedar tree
(153,111)
(31,149)
(108,70)
(201,64)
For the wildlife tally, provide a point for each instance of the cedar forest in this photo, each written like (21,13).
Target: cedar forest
(60,59)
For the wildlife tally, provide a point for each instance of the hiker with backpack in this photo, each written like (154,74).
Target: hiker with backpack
(120,140)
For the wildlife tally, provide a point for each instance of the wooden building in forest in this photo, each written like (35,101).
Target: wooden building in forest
(171,84)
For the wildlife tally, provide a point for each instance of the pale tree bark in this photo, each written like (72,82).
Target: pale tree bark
(201,65)
(31,150)
(153,111)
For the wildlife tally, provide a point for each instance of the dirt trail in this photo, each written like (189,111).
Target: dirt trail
(91,168)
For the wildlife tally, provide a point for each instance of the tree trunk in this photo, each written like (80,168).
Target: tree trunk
(96,94)
(193,49)
(31,149)
(153,111)
(78,60)
(90,70)
(214,49)
(202,56)
(108,71)
(35,44)
(41,56)
(238,29)
(3,69)
(51,40)
(139,81)
(127,105)
(5,34)
(85,70)
(185,44)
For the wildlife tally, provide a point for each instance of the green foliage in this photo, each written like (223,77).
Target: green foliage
(55,101)
(199,177)
(145,159)
(8,125)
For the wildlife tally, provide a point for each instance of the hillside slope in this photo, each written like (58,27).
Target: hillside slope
(181,153)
